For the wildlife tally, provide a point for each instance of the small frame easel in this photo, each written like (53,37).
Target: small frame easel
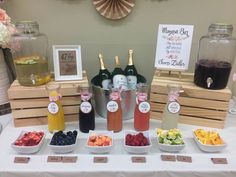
(169,73)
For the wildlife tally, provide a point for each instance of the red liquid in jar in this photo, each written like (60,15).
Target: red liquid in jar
(218,71)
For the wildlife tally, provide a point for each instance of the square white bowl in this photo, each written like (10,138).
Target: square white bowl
(63,149)
(27,149)
(169,147)
(209,148)
(100,149)
(137,149)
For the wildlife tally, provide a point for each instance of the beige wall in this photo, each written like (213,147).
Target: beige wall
(77,22)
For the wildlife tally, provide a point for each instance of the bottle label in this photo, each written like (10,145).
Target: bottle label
(132,82)
(144,107)
(53,108)
(112,106)
(120,80)
(173,107)
(106,83)
(86,107)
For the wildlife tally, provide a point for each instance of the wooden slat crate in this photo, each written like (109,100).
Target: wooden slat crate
(199,106)
(29,104)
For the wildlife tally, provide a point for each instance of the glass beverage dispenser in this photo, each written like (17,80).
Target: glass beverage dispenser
(30,54)
(215,57)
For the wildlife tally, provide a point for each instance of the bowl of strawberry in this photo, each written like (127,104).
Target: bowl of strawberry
(28,142)
(137,142)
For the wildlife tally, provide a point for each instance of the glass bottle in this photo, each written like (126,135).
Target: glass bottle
(131,72)
(55,110)
(142,109)
(172,108)
(114,111)
(215,57)
(118,77)
(30,54)
(86,111)
(104,76)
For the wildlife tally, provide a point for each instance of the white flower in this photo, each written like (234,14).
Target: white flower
(4,35)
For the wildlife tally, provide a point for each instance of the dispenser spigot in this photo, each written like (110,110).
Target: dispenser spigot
(209,81)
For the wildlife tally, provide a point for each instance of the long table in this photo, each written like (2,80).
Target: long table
(119,161)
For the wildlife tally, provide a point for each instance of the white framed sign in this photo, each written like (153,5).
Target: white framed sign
(67,62)
(173,46)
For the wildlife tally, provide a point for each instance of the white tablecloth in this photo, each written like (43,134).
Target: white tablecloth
(119,161)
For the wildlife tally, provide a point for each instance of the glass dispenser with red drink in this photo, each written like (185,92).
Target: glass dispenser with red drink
(215,57)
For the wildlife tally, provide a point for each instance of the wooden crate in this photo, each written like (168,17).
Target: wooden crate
(199,106)
(29,104)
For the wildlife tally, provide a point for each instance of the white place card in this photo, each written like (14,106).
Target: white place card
(173,47)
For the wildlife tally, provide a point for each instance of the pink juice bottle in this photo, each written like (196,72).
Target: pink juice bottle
(142,109)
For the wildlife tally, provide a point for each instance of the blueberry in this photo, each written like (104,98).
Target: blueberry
(75,133)
(69,133)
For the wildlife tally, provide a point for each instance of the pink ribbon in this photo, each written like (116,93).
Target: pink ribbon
(55,98)
(173,95)
(142,96)
(85,96)
(234,77)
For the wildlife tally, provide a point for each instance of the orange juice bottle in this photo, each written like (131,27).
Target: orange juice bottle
(55,110)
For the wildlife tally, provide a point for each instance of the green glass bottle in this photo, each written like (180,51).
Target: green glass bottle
(118,76)
(131,72)
(104,76)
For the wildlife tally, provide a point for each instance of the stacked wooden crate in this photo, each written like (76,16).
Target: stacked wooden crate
(29,104)
(199,106)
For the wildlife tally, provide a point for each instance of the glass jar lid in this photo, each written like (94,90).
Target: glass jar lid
(220,28)
(27,27)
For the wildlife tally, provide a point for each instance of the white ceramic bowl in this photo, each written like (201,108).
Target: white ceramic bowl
(138,149)
(27,149)
(170,148)
(63,149)
(100,149)
(209,148)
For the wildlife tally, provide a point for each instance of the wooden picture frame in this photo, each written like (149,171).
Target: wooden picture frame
(67,62)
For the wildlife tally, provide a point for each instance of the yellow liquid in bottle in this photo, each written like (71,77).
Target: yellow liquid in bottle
(56,120)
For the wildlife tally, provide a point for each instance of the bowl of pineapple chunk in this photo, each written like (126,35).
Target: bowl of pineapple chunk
(209,140)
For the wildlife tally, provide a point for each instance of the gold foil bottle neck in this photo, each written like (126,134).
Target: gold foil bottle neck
(102,66)
(117,62)
(130,61)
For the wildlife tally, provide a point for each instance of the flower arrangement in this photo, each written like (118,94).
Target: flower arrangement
(6,29)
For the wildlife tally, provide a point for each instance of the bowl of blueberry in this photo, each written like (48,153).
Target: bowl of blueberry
(63,142)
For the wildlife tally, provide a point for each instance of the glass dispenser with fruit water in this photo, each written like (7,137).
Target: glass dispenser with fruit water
(215,57)
(30,54)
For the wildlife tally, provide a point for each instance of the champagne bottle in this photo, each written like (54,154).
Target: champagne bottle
(104,78)
(118,77)
(131,72)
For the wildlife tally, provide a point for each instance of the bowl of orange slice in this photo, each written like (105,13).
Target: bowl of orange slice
(208,140)
(99,142)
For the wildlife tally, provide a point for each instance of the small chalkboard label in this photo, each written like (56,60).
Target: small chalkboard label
(21,159)
(54,159)
(100,159)
(69,159)
(170,158)
(138,159)
(187,159)
(219,160)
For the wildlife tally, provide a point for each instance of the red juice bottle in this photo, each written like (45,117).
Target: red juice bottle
(142,109)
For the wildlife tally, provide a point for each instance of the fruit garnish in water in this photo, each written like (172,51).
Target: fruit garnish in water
(171,137)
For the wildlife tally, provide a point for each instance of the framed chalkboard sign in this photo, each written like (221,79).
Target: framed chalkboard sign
(67,62)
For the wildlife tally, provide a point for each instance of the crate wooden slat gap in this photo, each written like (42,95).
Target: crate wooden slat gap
(29,104)
(199,106)
(193,120)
